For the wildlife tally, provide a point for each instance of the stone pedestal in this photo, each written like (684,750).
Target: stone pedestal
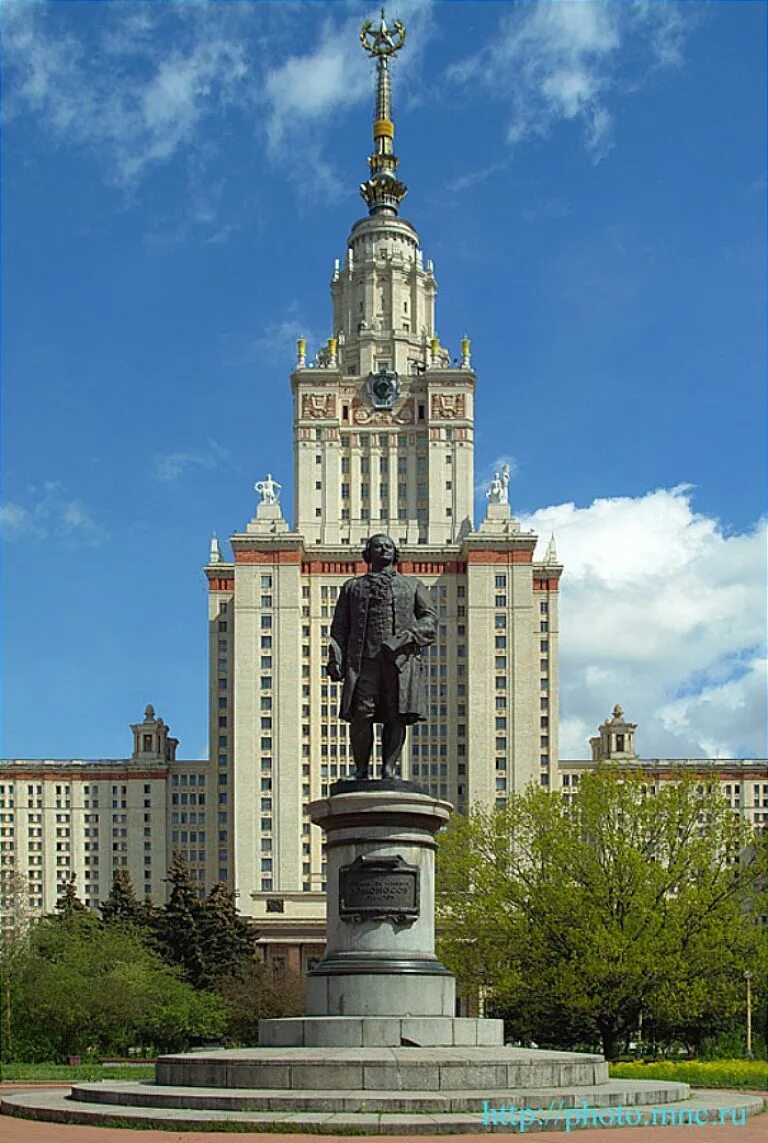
(380,953)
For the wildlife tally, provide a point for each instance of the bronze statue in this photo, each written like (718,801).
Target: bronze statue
(381,623)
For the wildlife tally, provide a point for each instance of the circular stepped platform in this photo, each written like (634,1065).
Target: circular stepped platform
(389,1090)
(722,1108)
(612,1094)
(487,1069)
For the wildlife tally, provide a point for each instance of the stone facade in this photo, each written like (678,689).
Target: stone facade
(744,780)
(60,817)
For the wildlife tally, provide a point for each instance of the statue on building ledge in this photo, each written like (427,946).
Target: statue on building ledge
(269,490)
(382,622)
(498,490)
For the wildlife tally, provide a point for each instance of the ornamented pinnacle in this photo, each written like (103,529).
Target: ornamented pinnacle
(383,191)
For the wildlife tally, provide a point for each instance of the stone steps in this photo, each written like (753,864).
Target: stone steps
(724,1108)
(487,1069)
(613,1094)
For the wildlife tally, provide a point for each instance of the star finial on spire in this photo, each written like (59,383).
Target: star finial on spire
(383,191)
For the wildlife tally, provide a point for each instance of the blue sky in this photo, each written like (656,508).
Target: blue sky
(590,180)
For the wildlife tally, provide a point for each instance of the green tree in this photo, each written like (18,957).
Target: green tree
(576,917)
(68,902)
(122,905)
(14,942)
(83,987)
(259,992)
(180,924)
(227,938)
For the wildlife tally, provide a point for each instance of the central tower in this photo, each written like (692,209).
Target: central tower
(392,414)
(383,422)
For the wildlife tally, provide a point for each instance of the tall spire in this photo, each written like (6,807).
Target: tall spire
(383,191)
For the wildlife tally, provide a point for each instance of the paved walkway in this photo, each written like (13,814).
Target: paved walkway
(14,1130)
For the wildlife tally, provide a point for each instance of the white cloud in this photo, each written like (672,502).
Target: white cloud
(310,88)
(278,340)
(665,613)
(50,514)
(143,84)
(117,91)
(554,60)
(177,464)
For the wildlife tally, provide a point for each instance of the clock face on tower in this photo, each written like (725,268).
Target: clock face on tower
(382,388)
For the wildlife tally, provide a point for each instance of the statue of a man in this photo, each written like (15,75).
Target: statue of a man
(269,489)
(381,623)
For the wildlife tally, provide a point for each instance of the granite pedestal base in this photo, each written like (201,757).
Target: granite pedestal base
(380,951)
(381,1032)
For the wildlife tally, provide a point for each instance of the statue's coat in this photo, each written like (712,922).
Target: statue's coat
(414,612)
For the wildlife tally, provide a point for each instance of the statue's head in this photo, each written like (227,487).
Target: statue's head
(381,550)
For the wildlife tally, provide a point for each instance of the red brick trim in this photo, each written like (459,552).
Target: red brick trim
(82,774)
(488,556)
(219,583)
(432,567)
(546,585)
(334,567)
(281,556)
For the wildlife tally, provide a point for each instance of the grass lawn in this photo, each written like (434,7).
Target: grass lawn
(63,1072)
(752,1074)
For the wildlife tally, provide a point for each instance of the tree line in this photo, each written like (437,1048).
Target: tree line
(625,918)
(139,977)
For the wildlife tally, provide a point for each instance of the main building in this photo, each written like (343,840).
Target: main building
(383,441)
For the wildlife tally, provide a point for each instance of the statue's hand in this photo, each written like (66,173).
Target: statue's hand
(397,645)
(333,671)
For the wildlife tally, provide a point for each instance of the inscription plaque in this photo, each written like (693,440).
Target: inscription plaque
(379,889)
